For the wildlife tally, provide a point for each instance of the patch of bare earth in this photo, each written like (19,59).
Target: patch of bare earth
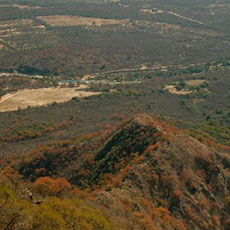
(215,6)
(65,20)
(39,97)
(194,82)
(158,25)
(15,34)
(18,27)
(151,11)
(16,23)
(172,89)
(24,7)
(89,77)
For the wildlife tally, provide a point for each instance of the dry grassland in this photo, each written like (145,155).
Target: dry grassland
(23,7)
(64,20)
(194,82)
(16,23)
(172,89)
(158,25)
(18,27)
(38,97)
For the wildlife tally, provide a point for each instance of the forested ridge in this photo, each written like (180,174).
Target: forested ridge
(142,174)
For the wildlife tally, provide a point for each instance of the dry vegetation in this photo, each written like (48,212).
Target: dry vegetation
(160,26)
(194,82)
(172,89)
(10,26)
(144,174)
(65,20)
(24,7)
(14,34)
(37,97)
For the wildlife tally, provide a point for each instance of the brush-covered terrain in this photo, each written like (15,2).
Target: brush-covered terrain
(114,115)
(142,174)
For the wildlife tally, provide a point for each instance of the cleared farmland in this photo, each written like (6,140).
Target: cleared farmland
(65,20)
(38,97)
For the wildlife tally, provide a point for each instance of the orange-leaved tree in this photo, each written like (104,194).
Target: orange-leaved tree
(54,187)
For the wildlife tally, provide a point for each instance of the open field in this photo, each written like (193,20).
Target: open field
(37,97)
(18,25)
(194,82)
(65,20)
(172,89)
(24,7)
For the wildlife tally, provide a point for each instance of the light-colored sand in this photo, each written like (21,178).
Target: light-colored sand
(172,89)
(216,6)
(21,6)
(65,20)
(151,11)
(144,67)
(147,11)
(194,82)
(185,18)
(89,77)
(14,23)
(38,97)
(17,27)
(113,1)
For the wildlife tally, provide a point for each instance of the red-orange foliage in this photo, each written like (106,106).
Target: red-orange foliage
(195,218)
(209,186)
(150,148)
(127,168)
(155,178)
(216,220)
(163,215)
(177,194)
(117,180)
(11,176)
(202,203)
(49,186)
(227,224)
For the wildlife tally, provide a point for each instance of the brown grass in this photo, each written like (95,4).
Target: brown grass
(16,23)
(64,20)
(158,25)
(194,82)
(24,7)
(172,89)
(38,97)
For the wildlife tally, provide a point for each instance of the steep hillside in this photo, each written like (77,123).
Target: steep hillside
(145,174)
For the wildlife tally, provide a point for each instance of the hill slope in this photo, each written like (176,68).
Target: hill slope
(144,174)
